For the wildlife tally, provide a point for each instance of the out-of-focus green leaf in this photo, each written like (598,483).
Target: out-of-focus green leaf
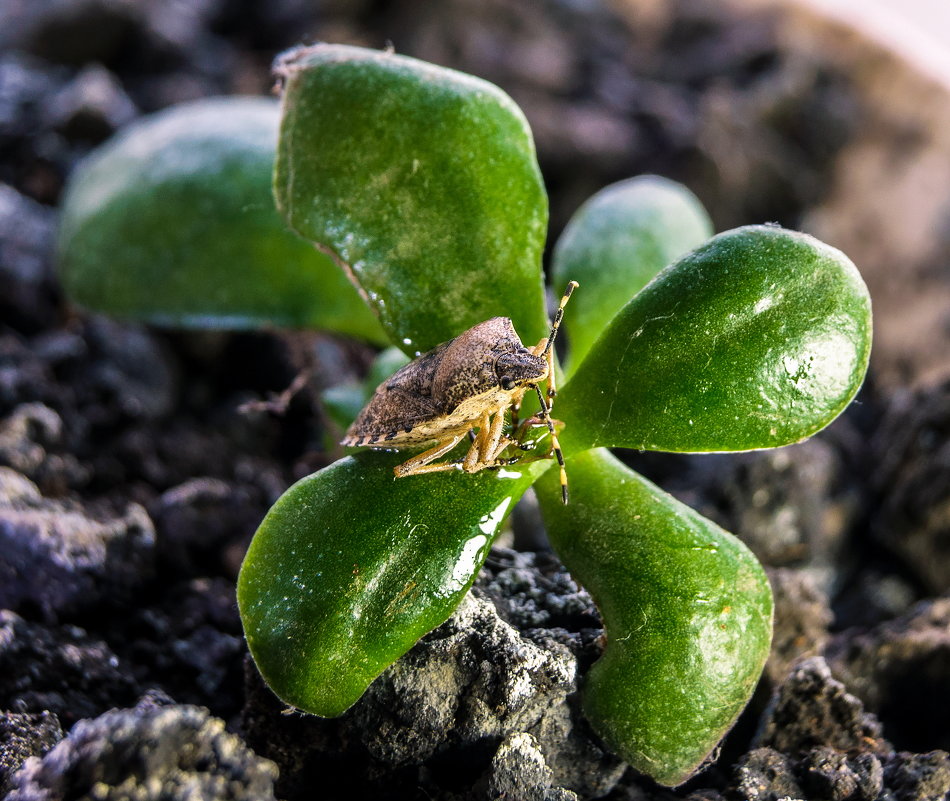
(422,181)
(384,365)
(757,339)
(686,607)
(616,243)
(343,402)
(173,222)
(352,566)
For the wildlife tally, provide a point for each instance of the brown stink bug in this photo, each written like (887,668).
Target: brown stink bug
(465,384)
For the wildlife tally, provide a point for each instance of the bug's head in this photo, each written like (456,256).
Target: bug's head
(520,368)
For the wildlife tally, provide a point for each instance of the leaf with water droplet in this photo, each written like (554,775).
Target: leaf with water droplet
(687,610)
(757,339)
(352,566)
(424,184)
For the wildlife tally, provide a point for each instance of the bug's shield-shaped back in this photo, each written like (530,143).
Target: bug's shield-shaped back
(417,402)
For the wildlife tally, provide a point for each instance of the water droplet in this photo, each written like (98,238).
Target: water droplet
(490,522)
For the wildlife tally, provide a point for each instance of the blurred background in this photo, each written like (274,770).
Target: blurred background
(827,115)
(918,29)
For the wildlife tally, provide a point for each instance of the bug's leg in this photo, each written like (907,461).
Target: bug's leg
(475,458)
(515,407)
(489,443)
(555,445)
(545,348)
(474,461)
(559,314)
(497,441)
(422,462)
(538,350)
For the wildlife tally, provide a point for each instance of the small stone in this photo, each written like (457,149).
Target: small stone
(26,86)
(471,680)
(705,794)
(17,487)
(812,709)
(60,557)
(91,107)
(919,777)
(438,715)
(833,775)
(61,669)
(26,434)
(24,735)
(535,593)
(519,772)
(899,669)
(148,753)
(195,519)
(766,775)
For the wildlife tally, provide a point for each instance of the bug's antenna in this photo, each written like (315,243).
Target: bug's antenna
(548,354)
(555,445)
(571,286)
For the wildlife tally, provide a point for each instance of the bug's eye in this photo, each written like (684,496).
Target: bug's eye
(506,382)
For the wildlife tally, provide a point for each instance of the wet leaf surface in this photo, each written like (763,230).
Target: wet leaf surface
(686,606)
(757,339)
(352,566)
(423,182)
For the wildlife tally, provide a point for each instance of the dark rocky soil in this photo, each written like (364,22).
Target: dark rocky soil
(131,478)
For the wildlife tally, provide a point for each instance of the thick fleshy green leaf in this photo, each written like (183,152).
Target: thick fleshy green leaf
(686,607)
(173,222)
(422,181)
(352,566)
(757,339)
(616,243)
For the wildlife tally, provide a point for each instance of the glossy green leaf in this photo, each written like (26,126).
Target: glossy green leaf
(173,222)
(686,607)
(422,181)
(352,566)
(616,243)
(757,339)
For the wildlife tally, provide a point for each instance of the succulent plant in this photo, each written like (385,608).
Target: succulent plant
(420,185)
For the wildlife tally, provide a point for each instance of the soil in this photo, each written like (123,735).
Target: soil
(133,474)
